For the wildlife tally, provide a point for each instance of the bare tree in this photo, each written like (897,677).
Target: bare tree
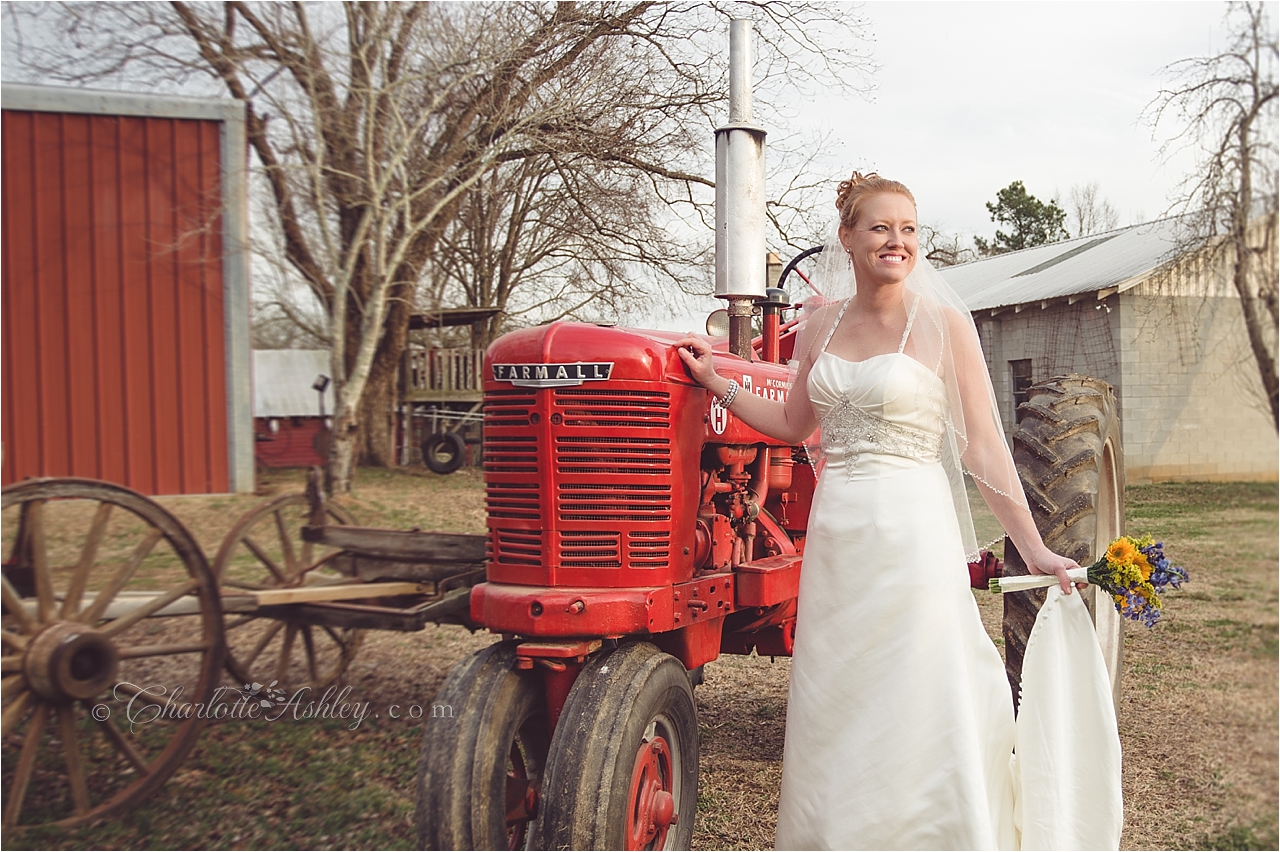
(1225,109)
(943,249)
(286,313)
(1087,213)
(554,237)
(276,326)
(286,317)
(377,124)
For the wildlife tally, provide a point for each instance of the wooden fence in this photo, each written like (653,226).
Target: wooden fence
(443,374)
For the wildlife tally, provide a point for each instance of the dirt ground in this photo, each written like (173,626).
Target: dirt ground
(1199,704)
(1198,716)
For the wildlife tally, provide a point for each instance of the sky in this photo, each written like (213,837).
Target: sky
(972,96)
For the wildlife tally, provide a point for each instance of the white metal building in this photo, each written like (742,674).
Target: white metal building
(1166,331)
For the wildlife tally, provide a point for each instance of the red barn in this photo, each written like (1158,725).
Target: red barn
(290,428)
(126,290)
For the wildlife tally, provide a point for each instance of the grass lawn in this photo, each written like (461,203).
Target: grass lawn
(1198,718)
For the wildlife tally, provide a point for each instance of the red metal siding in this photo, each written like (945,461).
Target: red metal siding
(291,445)
(114,355)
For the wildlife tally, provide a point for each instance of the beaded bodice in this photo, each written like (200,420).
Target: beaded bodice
(888,405)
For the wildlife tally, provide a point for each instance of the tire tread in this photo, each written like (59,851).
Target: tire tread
(1058,446)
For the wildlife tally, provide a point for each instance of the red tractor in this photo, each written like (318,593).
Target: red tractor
(636,531)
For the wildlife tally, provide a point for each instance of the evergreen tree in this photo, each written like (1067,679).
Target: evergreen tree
(1034,223)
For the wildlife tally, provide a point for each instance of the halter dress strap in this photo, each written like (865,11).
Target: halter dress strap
(911,318)
(834,325)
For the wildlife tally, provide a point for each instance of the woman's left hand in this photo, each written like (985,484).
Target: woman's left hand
(1048,562)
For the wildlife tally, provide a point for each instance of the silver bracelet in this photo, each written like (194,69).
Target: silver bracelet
(730,394)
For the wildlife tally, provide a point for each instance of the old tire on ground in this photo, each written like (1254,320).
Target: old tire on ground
(483,755)
(1068,453)
(444,452)
(623,768)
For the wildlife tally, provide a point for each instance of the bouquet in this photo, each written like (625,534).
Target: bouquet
(1134,572)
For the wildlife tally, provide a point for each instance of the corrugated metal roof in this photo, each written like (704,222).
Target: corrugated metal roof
(1082,265)
(282,380)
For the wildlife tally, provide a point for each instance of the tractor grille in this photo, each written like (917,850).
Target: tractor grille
(596,496)
(649,548)
(613,408)
(508,407)
(517,547)
(588,549)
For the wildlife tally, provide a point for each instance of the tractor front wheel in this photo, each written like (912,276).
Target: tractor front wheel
(483,755)
(623,768)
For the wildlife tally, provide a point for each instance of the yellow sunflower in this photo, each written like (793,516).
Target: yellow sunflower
(1144,567)
(1122,552)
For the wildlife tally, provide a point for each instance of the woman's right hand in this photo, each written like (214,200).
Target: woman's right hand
(696,355)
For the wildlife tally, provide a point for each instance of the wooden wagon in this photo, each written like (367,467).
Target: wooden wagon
(117,629)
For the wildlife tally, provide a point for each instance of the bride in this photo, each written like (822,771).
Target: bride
(900,723)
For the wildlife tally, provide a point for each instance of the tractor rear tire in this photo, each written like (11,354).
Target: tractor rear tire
(444,452)
(623,768)
(1068,453)
(483,755)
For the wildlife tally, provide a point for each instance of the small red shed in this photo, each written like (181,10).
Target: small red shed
(126,290)
(292,395)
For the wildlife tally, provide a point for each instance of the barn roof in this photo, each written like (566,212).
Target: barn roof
(282,380)
(1115,259)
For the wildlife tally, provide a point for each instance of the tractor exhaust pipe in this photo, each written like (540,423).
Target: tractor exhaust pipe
(740,213)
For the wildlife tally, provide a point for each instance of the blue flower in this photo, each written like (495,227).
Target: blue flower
(1137,608)
(1162,573)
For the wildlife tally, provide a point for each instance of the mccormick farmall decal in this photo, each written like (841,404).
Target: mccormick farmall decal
(551,375)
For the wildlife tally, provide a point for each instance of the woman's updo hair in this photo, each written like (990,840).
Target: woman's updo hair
(853,193)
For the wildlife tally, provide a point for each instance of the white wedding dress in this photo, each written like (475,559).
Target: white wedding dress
(900,724)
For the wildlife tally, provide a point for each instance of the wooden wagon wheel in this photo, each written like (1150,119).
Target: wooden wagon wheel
(1068,452)
(95,683)
(265,550)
